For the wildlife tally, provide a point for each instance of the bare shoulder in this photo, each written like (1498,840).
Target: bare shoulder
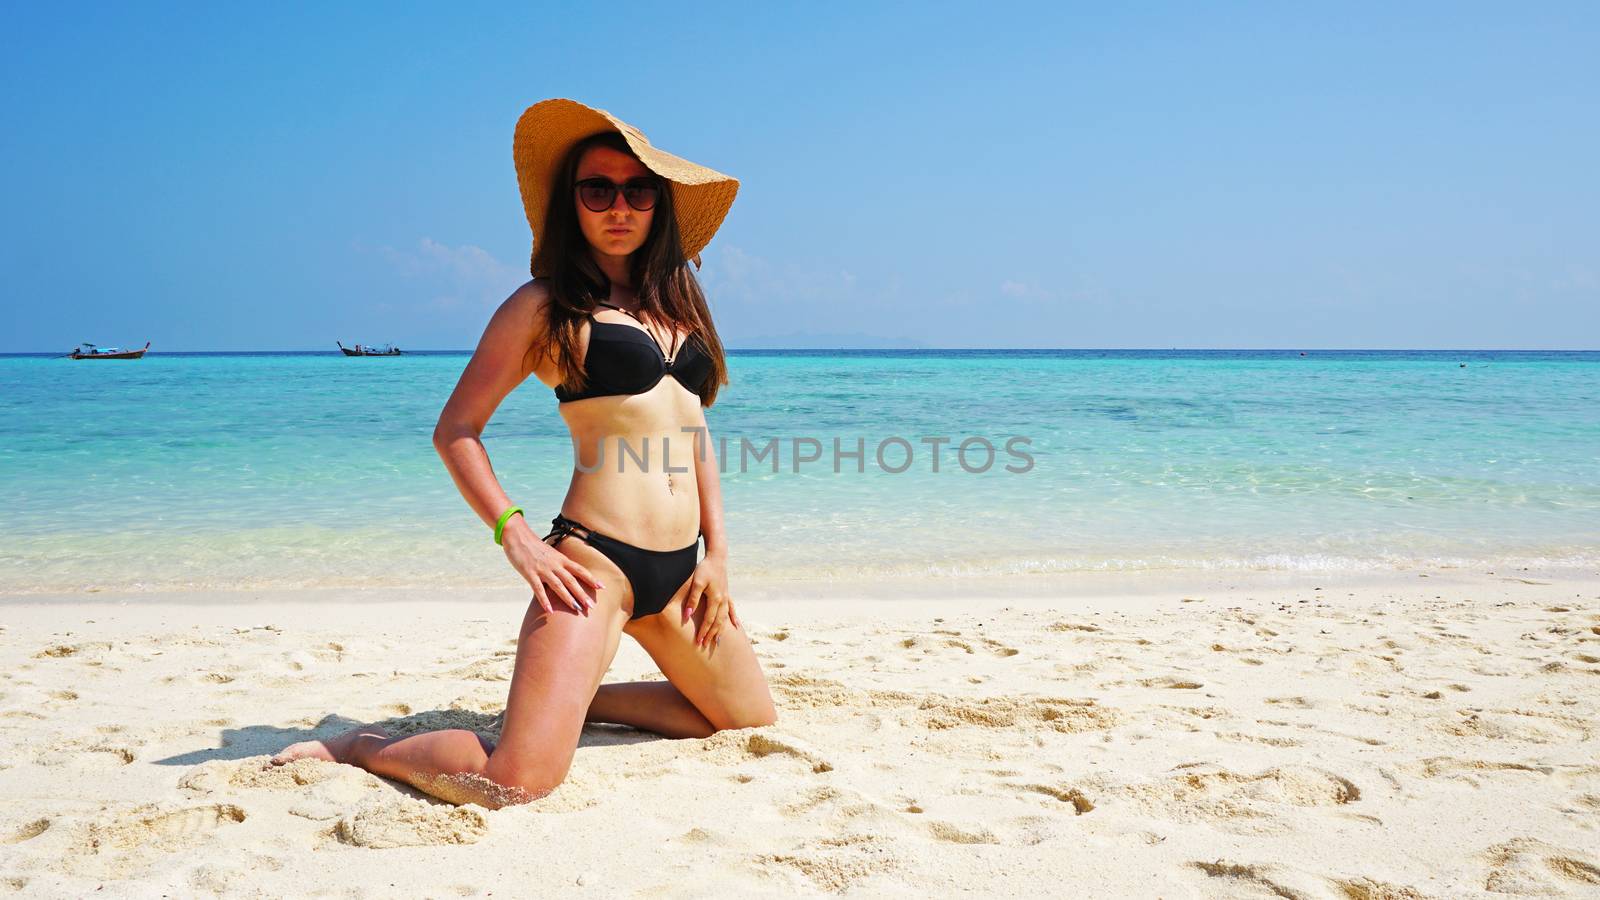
(529,303)
(525,316)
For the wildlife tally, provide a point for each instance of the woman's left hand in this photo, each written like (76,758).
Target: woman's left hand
(709,585)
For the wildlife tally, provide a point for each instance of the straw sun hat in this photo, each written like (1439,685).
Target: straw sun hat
(549,128)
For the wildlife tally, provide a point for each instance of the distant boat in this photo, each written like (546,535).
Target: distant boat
(385,350)
(87,350)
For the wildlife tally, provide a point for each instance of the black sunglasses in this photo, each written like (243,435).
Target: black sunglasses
(599,193)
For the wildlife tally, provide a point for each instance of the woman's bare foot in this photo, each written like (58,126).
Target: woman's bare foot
(336,749)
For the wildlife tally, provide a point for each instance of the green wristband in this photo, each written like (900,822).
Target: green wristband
(500,526)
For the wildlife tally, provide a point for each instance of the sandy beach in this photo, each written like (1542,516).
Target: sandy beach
(1414,734)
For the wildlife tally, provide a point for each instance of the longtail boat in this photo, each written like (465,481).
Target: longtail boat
(358,350)
(87,350)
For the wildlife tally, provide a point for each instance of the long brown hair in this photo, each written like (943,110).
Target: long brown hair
(667,289)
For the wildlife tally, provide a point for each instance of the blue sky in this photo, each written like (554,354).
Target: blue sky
(974,175)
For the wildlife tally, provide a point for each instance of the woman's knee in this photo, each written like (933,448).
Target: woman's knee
(537,780)
(754,718)
(769,716)
(531,779)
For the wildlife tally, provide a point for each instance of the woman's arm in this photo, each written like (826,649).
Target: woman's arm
(501,362)
(498,365)
(709,586)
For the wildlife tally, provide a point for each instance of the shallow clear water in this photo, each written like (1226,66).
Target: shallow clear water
(314,469)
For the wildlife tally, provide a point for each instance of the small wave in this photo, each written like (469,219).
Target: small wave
(887,571)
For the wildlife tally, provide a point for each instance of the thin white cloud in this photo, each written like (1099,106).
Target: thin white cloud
(459,276)
(1025,291)
(1576,278)
(752,296)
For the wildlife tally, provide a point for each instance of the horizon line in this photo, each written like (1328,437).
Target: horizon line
(335,352)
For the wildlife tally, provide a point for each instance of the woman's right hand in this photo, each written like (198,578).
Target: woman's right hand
(550,572)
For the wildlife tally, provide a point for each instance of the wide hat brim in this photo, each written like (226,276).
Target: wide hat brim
(548,129)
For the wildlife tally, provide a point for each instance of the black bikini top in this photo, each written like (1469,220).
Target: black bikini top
(622,359)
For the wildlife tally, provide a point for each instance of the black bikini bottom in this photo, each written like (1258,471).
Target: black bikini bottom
(655,575)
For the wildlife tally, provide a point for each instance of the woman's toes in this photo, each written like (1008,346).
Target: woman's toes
(303,750)
(335,749)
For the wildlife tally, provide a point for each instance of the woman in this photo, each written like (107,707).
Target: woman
(615,322)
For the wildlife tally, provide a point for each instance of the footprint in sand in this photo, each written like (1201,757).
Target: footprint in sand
(1244,802)
(810,800)
(164,829)
(77,752)
(1513,725)
(762,745)
(1070,670)
(119,756)
(1000,649)
(61,651)
(1204,713)
(732,747)
(226,878)
(27,832)
(1071,626)
(1531,866)
(1368,889)
(1268,740)
(1170,682)
(324,790)
(405,822)
(835,864)
(497,669)
(1066,715)
(1080,803)
(1291,785)
(1464,769)
(937,712)
(1248,881)
(945,831)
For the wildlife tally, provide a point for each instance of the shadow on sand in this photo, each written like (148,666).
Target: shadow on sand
(259,740)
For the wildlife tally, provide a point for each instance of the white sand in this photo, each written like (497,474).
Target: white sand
(1415,735)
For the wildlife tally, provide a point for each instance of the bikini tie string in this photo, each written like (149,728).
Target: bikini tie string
(565,527)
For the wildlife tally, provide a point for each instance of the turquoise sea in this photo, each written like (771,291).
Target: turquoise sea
(310,469)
